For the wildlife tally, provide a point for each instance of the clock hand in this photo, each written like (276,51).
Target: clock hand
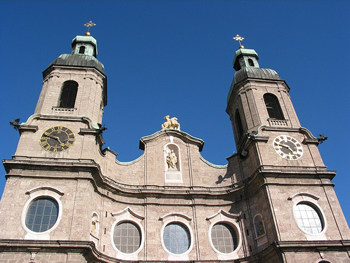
(55,137)
(287,146)
(59,140)
(51,136)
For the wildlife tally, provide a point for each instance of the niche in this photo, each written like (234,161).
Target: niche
(172,163)
(94,228)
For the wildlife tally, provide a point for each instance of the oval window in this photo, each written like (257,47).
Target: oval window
(127,237)
(42,214)
(308,218)
(176,238)
(224,238)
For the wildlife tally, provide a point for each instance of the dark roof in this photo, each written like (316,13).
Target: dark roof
(78,60)
(254,73)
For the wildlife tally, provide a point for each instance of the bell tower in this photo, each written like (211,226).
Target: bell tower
(58,148)
(281,165)
(263,118)
(74,84)
(68,115)
(258,97)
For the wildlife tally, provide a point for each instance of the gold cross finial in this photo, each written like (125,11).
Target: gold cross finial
(239,39)
(88,25)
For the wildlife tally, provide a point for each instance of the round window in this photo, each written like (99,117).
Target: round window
(42,214)
(224,238)
(308,218)
(176,238)
(127,237)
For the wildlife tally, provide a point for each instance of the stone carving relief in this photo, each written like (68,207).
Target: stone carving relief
(170,123)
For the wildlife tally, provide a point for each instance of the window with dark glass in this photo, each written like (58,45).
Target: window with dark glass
(238,122)
(42,214)
(224,238)
(176,238)
(251,62)
(127,237)
(82,50)
(308,218)
(273,107)
(68,94)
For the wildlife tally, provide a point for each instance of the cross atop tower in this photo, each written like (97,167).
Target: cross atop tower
(91,24)
(239,39)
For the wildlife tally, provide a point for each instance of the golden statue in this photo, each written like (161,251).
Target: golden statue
(170,123)
(171,160)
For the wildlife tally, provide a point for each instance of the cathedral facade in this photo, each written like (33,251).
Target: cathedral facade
(68,199)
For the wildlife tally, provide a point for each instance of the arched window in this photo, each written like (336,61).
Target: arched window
(68,94)
(238,123)
(273,107)
(82,50)
(251,62)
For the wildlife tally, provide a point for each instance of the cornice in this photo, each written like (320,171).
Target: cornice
(27,163)
(104,184)
(37,116)
(88,250)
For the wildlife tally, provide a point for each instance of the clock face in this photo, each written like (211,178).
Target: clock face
(287,147)
(57,139)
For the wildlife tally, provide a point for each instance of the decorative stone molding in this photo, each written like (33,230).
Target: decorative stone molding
(188,218)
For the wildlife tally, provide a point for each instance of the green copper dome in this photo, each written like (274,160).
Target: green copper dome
(246,65)
(78,61)
(84,52)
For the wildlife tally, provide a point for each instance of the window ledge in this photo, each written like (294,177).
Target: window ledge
(260,237)
(261,240)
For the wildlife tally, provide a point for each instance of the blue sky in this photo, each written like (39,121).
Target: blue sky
(175,57)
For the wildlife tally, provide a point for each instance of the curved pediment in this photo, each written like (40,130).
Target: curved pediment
(172,132)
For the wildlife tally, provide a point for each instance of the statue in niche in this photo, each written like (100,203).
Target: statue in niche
(171,160)
(170,123)
(93,226)
(261,230)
